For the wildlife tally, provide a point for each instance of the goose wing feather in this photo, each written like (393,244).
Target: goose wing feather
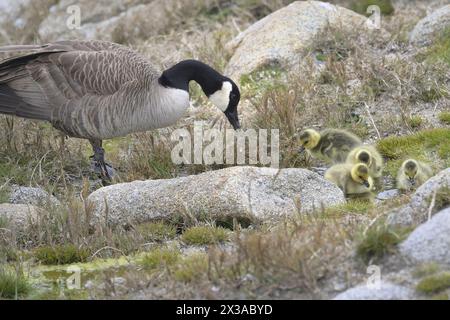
(68,82)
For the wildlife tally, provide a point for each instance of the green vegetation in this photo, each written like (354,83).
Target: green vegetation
(421,145)
(204,235)
(444,117)
(415,122)
(361,6)
(157,231)
(13,284)
(434,284)
(379,240)
(160,258)
(191,267)
(61,254)
(426,270)
(440,49)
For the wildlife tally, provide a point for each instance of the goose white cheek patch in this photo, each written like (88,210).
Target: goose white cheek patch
(221,97)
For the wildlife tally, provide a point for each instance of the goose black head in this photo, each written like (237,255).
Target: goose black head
(226,97)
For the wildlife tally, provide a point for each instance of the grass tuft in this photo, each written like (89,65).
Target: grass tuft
(157,231)
(434,284)
(160,258)
(204,235)
(13,284)
(380,239)
(61,254)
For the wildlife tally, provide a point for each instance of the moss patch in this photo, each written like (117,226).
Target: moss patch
(63,254)
(203,235)
(444,117)
(434,284)
(421,145)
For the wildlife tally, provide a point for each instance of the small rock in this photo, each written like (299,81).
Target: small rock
(237,192)
(33,196)
(426,29)
(385,291)
(430,242)
(388,194)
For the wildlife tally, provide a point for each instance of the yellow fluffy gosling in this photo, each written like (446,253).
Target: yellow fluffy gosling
(331,145)
(368,155)
(412,174)
(353,179)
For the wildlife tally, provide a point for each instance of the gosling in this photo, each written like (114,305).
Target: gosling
(412,174)
(369,156)
(330,145)
(353,179)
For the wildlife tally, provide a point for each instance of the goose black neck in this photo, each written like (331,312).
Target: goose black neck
(185,71)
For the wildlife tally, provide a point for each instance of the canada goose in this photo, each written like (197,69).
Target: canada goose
(98,90)
(353,179)
(412,174)
(368,155)
(331,145)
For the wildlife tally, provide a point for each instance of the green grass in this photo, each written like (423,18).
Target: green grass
(157,231)
(192,267)
(13,284)
(420,145)
(434,284)
(380,239)
(415,122)
(426,270)
(360,6)
(203,235)
(440,50)
(160,257)
(444,117)
(61,254)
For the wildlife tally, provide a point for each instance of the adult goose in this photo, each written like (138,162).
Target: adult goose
(98,90)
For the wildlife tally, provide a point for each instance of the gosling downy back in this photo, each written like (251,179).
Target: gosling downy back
(368,155)
(412,174)
(331,145)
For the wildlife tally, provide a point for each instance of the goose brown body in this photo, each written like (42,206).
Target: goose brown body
(88,89)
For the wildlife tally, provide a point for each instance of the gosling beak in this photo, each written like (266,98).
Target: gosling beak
(412,181)
(233,119)
(301,149)
(366,184)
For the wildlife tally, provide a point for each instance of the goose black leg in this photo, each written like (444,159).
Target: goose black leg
(100,166)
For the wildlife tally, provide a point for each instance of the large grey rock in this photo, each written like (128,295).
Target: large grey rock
(429,27)
(32,196)
(250,192)
(18,216)
(430,242)
(120,21)
(385,291)
(417,210)
(285,36)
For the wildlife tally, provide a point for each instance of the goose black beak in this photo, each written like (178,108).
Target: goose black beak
(366,184)
(412,181)
(233,119)
(301,149)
